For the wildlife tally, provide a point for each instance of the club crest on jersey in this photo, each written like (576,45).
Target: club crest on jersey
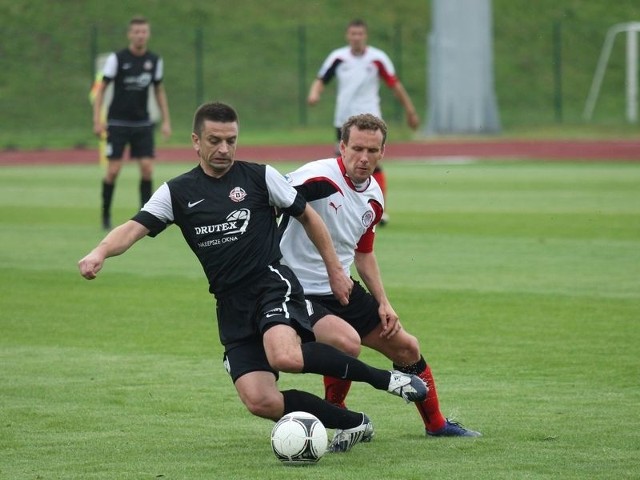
(367,218)
(148,65)
(237,194)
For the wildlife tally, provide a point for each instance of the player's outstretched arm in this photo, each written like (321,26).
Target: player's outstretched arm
(117,241)
(413,120)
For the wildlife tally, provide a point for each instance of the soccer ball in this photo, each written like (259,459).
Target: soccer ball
(299,438)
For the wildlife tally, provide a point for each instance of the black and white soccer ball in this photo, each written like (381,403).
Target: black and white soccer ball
(299,438)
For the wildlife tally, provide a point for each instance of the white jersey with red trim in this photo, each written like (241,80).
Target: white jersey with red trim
(350,212)
(358,80)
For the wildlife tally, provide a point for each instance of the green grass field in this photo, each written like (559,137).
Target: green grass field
(521,280)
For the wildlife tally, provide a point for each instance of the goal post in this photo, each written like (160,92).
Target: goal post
(631,80)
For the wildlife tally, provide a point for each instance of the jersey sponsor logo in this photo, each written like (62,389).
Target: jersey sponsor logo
(141,81)
(237,223)
(193,204)
(367,218)
(237,194)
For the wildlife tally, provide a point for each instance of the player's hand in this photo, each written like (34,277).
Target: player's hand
(389,320)
(341,286)
(166,130)
(99,128)
(313,99)
(413,120)
(90,265)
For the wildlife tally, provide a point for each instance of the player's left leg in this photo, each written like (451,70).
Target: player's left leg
(403,350)
(335,331)
(146,183)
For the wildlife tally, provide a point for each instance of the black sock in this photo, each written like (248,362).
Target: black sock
(330,415)
(145,191)
(327,360)
(415,369)
(107,196)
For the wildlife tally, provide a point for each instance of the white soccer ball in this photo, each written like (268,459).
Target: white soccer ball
(299,438)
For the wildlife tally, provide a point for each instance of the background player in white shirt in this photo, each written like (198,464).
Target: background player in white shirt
(358,68)
(347,197)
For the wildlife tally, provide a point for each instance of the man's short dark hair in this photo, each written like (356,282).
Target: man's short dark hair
(214,112)
(364,121)
(138,20)
(357,22)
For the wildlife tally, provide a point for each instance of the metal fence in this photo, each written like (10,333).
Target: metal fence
(542,76)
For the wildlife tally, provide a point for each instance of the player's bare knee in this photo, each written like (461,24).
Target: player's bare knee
(334,331)
(350,346)
(286,360)
(264,405)
(283,350)
(407,352)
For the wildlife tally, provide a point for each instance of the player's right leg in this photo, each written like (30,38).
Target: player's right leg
(404,350)
(116,142)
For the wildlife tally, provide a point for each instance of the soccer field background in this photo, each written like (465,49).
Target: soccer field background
(520,279)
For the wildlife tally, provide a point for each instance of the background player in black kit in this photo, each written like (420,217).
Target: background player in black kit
(226,211)
(132,70)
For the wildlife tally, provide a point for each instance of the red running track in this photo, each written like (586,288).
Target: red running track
(613,150)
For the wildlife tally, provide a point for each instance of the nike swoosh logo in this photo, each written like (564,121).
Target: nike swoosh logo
(268,315)
(346,372)
(193,204)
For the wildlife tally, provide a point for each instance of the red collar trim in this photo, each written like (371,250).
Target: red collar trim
(343,170)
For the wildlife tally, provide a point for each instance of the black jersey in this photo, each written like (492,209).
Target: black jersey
(132,76)
(229,222)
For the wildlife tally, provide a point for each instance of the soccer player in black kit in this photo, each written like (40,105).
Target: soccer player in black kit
(133,71)
(226,210)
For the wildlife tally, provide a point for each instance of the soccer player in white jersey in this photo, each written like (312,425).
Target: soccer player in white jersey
(358,68)
(225,209)
(349,200)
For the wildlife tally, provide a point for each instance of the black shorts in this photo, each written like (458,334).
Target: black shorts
(274,297)
(139,139)
(245,358)
(361,312)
